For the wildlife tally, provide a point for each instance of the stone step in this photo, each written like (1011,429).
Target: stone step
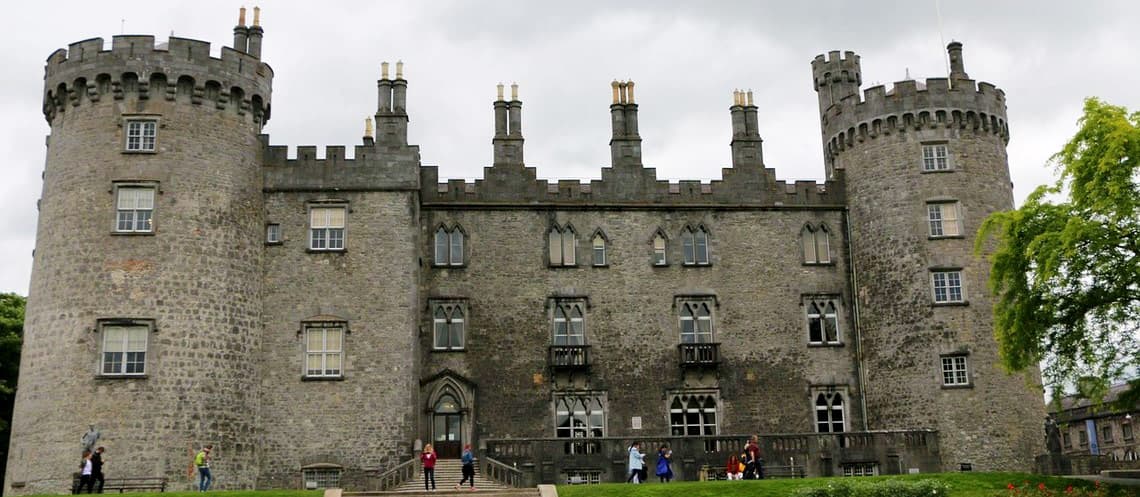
(448,472)
(510,492)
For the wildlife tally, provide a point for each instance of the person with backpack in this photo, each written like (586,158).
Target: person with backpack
(202,462)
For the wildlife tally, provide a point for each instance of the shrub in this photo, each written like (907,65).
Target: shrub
(879,488)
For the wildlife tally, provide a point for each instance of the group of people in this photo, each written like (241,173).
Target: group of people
(428,459)
(638,472)
(747,466)
(91,471)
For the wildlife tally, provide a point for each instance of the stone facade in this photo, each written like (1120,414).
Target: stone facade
(230,316)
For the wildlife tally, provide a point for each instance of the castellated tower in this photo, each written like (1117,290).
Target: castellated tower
(144,314)
(925,163)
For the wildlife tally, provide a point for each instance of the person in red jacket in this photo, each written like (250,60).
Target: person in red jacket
(428,459)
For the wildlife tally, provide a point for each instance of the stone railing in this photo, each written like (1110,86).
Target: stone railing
(546,460)
(394,477)
(570,357)
(502,473)
(699,355)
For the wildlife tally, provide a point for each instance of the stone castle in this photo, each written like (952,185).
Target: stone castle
(319,319)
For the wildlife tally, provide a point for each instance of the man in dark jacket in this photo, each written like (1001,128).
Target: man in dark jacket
(97,468)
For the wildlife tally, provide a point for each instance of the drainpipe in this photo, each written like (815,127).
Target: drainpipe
(855,317)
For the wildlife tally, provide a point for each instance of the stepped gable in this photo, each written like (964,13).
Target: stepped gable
(182,69)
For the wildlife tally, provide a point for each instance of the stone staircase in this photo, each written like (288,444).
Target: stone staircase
(448,472)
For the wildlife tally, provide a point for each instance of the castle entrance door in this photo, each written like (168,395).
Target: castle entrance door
(447,435)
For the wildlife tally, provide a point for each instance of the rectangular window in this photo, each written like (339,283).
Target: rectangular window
(580,415)
(562,244)
(448,326)
(861,469)
(1083,438)
(140,135)
(569,321)
(583,477)
(696,321)
(448,247)
(1126,431)
(695,246)
(317,478)
(943,219)
(273,233)
(134,209)
(124,349)
(1068,440)
(326,228)
(324,350)
(1106,434)
(947,286)
(954,371)
(822,320)
(935,158)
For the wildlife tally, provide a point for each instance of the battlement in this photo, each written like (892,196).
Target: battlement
(630,187)
(372,168)
(135,67)
(836,68)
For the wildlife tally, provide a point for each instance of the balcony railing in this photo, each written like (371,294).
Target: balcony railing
(569,357)
(699,355)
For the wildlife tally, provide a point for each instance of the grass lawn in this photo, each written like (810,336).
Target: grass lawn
(961,485)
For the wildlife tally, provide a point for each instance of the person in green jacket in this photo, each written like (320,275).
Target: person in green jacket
(202,461)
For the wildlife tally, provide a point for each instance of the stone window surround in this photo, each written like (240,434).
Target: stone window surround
(659,256)
(682,299)
(322,471)
(671,395)
(433,304)
(961,280)
(319,204)
(834,298)
(451,231)
(830,391)
(124,124)
(941,370)
(114,191)
(694,231)
(960,215)
(816,230)
(554,303)
(922,156)
(597,395)
(323,322)
(101,325)
(273,234)
(605,248)
(562,231)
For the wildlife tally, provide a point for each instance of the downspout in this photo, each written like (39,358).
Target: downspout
(855,317)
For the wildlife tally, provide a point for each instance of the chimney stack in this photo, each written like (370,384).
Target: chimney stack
(508,140)
(391,107)
(625,142)
(957,65)
(255,34)
(241,33)
(747,146)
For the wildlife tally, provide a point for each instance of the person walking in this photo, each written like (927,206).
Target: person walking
(468,459)
(665,463)
(202,462)
(85,479)
(428,458)
(753,465)
(636,463)
(97,469)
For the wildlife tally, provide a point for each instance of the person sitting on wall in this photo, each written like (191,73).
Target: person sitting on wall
(734,470)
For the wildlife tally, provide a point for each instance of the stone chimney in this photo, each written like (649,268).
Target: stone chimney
(625,143)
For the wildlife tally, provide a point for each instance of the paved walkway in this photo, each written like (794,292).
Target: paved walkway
(1125,482)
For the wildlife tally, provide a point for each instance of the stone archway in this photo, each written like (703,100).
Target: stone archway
(449,412)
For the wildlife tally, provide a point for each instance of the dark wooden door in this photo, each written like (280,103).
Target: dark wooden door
(447,440)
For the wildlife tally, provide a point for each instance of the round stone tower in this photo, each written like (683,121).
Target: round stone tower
(143,320)
(924,164)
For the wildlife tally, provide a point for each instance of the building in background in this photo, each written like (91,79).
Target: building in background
(319,319)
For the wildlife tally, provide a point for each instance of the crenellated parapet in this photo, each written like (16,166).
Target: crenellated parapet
(849,118)
(179,70)
(629,187)
(372,168)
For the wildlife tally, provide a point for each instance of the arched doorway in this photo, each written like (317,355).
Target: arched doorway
(447,427)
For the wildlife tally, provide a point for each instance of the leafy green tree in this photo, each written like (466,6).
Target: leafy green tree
(11,335)
(1066,264)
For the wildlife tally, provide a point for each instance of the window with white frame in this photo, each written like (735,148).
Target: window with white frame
(141,134)
(563,243)
(326,227)
(860,469)
(822,319)
(324,350)
(816,244)
(448,326)
(599,249)
(935,157)
(134,211)
(954,370)
(829,412)
(580,415)
(947,286)
(448,246)
(696,321)
(693,414)
(944,219)
(124,348)
(273,233)
(695,246)
(659,250)
(569,322)
(321,477)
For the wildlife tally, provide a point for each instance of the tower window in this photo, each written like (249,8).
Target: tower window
(326,228)
(140,135)
(943,219)
(947,286)
(273,233)
(954,371)
(935,158)
(134,209)
(324,350)
(124,347)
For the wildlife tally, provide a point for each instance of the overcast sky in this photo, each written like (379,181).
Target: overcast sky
(686,57)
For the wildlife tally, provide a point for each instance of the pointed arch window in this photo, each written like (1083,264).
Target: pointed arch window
(695,245)
(659,247)
(823,320)
(569,323)
(829,412)
(448,326)
(692,415)
(598,244)
(448,246)
(563,244)
(816,244)
(696,322)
